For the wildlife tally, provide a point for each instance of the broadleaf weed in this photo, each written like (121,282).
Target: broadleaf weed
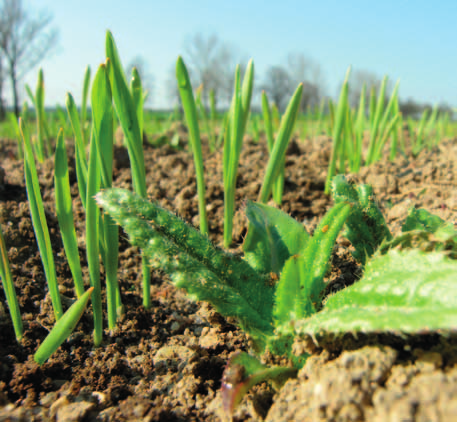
(275,293)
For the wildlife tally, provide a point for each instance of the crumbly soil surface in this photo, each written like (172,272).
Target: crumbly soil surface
(166,363)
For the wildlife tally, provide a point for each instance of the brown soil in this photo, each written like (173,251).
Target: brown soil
(166,363)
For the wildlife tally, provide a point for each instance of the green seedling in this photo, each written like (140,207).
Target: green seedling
(17,133)
(443,127)
(278,184)
(64,210)
(193,263)
(337,129)
(320,118)
(255,127)
(372,105)
(80,154)
(63,328)
(212,115)
(85,94)
(102,131)
(408,285)
(359,129)
(43,147)
(60,120)
(40,225)
(274,238)
(126,111)
(138,97)
(207,124)
(8,288)
(348,129)
(275,116)
(190,111)
(234,134)
(277,155)
(266,112)
(383,122)
(396,132)
(430,127)
(419,140)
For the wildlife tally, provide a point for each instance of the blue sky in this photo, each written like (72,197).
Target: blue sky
(415,41)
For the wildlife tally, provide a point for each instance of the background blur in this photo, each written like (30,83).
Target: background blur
(290,42)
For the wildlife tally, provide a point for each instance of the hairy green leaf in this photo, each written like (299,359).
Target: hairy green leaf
(290,303)
(229,283)
(274,237)
(401,292)
(365,227)
(420,219)
(318,251)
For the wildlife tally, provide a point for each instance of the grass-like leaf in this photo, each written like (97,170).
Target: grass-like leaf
(136,89)
(40,226)
(190,111)
(62,328)
(102,117)
(235,129)
(278,184)
(80,154)
(8,287)
(43,140)
(85,94)
(337,130)
(126,111)
(64,212)
(93,238)
(276,160)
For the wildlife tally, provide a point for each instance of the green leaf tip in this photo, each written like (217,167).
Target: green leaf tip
(62,328)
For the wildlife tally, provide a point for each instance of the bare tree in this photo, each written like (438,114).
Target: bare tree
(304,70)
(413,108)
(210,63)
(147,80)
(278,86)
(25,40)
(2,98)
(172,87)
